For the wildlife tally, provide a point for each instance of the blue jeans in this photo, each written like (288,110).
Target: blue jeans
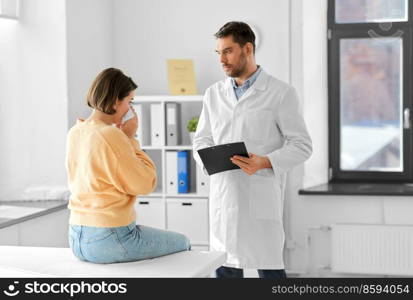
(122,244)
(227,272)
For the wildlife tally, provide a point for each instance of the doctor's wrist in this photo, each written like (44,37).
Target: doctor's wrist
(266,163)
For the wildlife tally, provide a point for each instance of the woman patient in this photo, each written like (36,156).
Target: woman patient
(106,171)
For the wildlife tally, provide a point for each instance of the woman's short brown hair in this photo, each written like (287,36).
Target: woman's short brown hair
(111,84)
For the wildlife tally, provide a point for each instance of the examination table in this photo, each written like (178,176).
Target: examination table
(20,261)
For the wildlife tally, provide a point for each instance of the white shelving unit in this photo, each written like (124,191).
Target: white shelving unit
(185,213)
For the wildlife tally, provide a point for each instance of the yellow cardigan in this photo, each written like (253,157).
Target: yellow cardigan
(106,171)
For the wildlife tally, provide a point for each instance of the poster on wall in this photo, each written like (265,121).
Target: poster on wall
(181,77)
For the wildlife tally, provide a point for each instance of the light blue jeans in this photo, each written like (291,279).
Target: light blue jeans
(122,244)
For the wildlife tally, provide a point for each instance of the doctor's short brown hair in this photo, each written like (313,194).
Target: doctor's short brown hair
(110,85)
(241,33)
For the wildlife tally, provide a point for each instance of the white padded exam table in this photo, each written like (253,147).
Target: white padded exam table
(19,261)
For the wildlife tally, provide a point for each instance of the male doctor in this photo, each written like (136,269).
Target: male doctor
(246,205)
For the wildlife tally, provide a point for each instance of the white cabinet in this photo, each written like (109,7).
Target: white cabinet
(9,236)
(150,212)
(200,248)
(189,217)
(165,208)
(49,230)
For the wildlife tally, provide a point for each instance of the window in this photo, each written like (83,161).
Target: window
(370,90)
(9,9)
(370,11)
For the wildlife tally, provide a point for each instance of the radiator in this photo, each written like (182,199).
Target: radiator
(372,249)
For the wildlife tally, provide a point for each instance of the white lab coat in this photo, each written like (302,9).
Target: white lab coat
(246,211)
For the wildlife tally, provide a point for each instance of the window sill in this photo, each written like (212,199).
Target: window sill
(360,189)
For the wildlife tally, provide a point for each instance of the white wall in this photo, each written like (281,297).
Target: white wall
(33,96)
(49,56)
(89,49)
(148,32)
(309,75)
(314,92)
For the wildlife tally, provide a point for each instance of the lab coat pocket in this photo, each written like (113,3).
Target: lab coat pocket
(258,125)
(265,198)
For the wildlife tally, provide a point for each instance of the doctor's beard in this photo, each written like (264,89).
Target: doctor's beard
(239,69)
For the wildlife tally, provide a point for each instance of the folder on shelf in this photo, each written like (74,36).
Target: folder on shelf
(171,172)
(202,182)
(138,109)
(172,124)
(157,131)
(216,159)
(183,172)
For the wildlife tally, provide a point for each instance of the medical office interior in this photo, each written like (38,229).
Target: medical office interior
(347,209)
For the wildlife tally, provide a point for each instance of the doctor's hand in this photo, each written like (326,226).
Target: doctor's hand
(252,164)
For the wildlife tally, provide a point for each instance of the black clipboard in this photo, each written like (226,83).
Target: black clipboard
(216,159)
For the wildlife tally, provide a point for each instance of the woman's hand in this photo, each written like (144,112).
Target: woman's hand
(130,126)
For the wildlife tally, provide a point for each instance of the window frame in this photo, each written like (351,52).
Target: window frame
(336,32)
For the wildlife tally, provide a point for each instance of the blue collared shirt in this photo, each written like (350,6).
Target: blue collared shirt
(240,90)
